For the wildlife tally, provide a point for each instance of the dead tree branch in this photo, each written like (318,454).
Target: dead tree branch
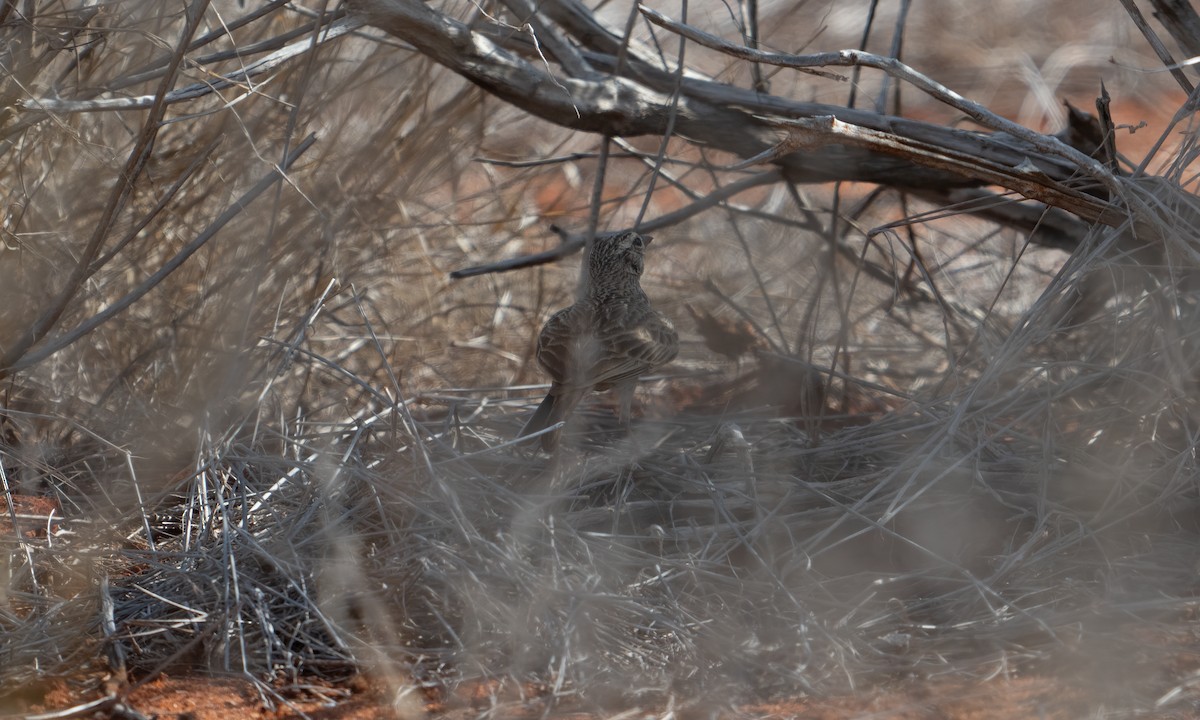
(839,143)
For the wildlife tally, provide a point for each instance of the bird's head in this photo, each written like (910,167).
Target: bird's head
(617,259)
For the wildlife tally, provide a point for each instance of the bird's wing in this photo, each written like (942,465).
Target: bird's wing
(634,349)
(559,341)
(580,348)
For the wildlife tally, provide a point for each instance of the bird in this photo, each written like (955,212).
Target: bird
(609,338)
(725,336)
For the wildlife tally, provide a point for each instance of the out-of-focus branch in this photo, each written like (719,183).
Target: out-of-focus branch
(240,79)
(161,273)
(573,243)
(1157,44)
(1180,19)
(117,199)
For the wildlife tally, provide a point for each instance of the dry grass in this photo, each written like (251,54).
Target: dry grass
(261,472)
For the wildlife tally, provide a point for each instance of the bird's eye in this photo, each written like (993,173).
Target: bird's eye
(638,242)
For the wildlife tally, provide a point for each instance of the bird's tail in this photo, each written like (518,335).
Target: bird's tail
(554,408)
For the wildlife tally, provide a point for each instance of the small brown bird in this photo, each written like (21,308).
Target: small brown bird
(607,339)
(732,338)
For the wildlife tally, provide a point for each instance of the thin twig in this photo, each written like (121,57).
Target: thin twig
(139,156)
(70,337)
(854,58)
(572,244)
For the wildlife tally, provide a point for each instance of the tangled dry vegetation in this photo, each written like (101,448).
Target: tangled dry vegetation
(250,424)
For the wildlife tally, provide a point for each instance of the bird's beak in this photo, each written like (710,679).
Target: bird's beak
(647,238)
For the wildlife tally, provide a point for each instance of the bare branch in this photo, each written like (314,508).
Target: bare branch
(118,197)
(572,243)
(168,267)
(741,121)
(855,58)
(1026,178)
(194,91)
(1157,44)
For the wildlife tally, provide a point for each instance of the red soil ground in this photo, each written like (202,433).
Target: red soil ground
(192,698)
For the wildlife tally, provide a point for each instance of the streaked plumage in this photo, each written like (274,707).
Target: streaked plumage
(607,339)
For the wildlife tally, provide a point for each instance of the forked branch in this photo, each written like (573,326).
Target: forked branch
(636,98)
